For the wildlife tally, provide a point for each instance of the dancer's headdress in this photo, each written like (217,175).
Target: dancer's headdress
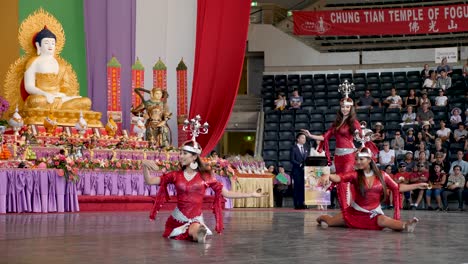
(195,129)
(345,89)
(365,136)
(365,153)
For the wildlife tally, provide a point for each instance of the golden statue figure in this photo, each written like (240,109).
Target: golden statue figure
(157,130)
(42,82)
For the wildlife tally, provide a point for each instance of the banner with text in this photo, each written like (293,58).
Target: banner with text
(390,21)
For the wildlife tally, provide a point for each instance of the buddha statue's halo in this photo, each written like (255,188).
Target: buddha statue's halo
(33,24)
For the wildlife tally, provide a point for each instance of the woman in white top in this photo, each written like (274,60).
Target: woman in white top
(441,100)
(409,118)
(430,83)
(444,132)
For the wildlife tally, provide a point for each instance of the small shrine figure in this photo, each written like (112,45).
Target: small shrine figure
(157,130)
(111,127)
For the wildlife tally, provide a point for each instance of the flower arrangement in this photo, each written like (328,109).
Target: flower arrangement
(64,165)
(221,167)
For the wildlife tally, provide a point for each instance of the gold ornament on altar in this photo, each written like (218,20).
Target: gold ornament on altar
(111,127)
(50,123)
(41,82)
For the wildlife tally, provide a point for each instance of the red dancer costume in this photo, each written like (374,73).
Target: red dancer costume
(189,203)
(344,156)
(363,211)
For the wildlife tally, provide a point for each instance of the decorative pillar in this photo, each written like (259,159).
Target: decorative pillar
(182,109)
(160,75)
(138,81)
(114,107)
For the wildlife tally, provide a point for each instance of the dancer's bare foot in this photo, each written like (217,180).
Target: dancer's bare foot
(410,225)
(201,234)
(321,222)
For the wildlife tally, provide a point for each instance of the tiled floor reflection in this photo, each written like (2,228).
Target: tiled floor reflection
(251,236)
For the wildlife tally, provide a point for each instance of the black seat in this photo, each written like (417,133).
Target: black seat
(287,116)
(280,80)
(270,135)
(286,125)
(320,88)
(346,76)
(333,95)
(270,145)
(401,85)
(307,88)
(285,144)
(293,79)
(272,117)
(271,126)
(308,102)
(302,117)
(301,125)
(316,117)
(386,79)
(377,117)
(306,79)
(286,135)
(270,155)
(316,126)
(284,155)
(308,95)
(393,116)
(373,79)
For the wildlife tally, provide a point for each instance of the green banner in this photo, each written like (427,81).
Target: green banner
(70,14)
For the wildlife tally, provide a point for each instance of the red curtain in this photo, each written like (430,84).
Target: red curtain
(219,55)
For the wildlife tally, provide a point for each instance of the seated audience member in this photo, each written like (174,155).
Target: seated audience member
(403,176)
(367,101)
(460,162)
(426,72)
(394,100)
(444,81)
(455,117)
(431,82)
(424,99)
(389,201)
(409,118)
(444,67)
(437,178)
(410,140)
(441,99)
(281,102)
(439,160)
(281,185)
(465,69)
(460,134)
(438,148)
(444,132)
(455,184)
(425,114)
(398,144)
(409,161)
(412,99)
(386,156)
(379,134)
(419,176)
(424,159)
(296,100)
(214,155)
(427,132)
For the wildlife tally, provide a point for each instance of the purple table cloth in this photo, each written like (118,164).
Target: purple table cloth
(131,182)
(27,190)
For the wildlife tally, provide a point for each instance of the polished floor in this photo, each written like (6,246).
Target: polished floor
(251,236)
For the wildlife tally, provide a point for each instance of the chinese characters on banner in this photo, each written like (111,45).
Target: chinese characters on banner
(390,21)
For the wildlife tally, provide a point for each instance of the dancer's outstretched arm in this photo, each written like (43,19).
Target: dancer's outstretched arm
(410,187)
(314,137)
(237,195)
(147,167)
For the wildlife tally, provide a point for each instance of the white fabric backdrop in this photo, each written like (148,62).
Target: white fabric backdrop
(166,29)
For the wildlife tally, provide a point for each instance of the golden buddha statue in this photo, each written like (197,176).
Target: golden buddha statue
(41,82)
(157,130)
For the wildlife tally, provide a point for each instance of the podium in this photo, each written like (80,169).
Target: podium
(313,170)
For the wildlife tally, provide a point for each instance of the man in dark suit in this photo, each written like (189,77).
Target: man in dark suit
(299,153)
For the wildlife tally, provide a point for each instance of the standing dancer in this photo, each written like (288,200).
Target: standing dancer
(370,185)
(343,129)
